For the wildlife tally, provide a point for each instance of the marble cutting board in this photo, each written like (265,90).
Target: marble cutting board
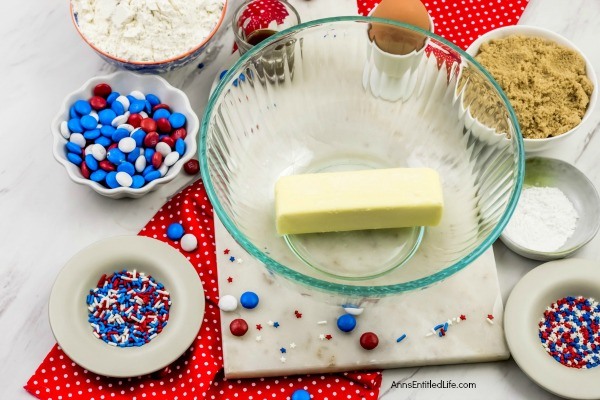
(473,292)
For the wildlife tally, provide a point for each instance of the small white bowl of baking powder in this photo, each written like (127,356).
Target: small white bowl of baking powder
(558,211)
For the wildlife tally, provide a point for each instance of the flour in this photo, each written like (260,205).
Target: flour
(543,220)
(147,30)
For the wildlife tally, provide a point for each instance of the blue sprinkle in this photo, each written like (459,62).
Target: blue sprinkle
(435,328)
(276,324)
(283,350)
(232,258)
(401,338)
(222,74)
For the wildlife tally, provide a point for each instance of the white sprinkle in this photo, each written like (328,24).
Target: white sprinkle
(322,336)
(270,323)
(282,359)
(353,310)
(429,334)
(258,338)
(490,321)
(292,345)
(239,261)
(321,322)
(112,344)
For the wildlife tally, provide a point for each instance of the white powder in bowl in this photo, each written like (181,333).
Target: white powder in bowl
(147,30)
(543,220)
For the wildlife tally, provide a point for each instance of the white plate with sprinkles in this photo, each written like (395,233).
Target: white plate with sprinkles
(126,306)
(552,325)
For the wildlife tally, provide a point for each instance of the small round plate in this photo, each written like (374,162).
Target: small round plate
(69,315)
(524,309)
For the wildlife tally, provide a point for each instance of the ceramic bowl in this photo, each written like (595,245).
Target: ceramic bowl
(537,290)
(153,66)
(536,145)
(311,113)
(125,82)
(541,172)
(68,312)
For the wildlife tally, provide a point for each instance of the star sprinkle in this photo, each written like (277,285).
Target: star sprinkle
(270,323)
(322,336)
(239,261)
(232,258)
(258,326)
(276,324)
(229,279)
(258,338)
(490,319)
(328,337)
(283,350)
(282,359)
(463,317)
(298,314)
(292,345)
(226,251)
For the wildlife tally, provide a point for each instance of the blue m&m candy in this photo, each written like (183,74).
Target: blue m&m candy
(175,231)
(249,300)
(82,107)
(346,323)
(300,394)
(177,120)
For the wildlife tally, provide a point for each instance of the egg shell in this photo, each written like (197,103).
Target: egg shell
(398,40)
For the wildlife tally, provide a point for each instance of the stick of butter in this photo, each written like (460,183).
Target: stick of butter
(356,200)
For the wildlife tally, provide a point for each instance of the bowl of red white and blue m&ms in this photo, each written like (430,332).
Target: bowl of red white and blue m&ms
(125,134)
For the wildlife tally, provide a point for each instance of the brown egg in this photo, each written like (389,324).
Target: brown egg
(398,40)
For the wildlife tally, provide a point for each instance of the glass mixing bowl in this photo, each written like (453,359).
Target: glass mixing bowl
(322,97)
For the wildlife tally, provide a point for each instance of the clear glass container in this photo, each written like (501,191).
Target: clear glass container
(339,102)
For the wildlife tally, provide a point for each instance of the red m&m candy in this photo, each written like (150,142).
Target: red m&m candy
(191,167)
(369,340)
(102,90)
(238,327)
(98,103)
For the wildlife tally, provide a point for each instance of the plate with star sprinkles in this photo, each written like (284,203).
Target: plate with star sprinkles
(126,306)
(552,325)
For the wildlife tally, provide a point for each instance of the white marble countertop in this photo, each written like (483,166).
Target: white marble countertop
(46,218)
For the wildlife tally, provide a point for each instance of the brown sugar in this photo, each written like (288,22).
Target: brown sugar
(545,82)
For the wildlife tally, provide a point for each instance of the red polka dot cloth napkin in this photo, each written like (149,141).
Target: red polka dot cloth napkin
(198,373)
(463,21)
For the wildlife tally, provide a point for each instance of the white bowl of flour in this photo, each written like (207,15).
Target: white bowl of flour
(148,35)
(558,211)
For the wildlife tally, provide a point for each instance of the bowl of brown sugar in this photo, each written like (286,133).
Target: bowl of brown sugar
(549,82)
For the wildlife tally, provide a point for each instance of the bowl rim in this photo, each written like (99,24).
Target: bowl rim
(553,255)
(530,30)
(191,117)
(149,63)
(346,289)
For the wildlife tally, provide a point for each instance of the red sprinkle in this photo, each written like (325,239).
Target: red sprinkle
(102,90)
(98,103)
(490,316)
(258,326)
(157,159)
(369,340)
(328,337)
(163,125)
(148,124)
(192,167)
(135,120)
(229,279)
(151,139)
(463,317)
(238,327)
(107,165)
